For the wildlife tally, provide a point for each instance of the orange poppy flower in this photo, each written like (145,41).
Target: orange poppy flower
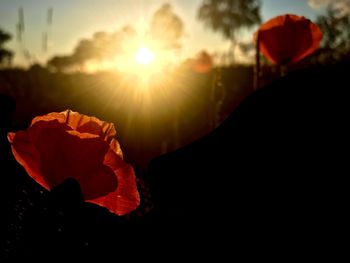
(288,38)
(203,63)
(58,146)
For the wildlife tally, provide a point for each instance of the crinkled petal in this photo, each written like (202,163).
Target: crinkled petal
(61,153)
(81,123)
(62,145)
(59,116)
(288,38)
(27,155)
(126,197)
(115,146)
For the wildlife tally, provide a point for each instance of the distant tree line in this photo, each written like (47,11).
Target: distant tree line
(101,46)
(5,54)
(166,29)
(226,17)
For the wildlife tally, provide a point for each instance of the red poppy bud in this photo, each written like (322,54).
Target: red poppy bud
(203,63)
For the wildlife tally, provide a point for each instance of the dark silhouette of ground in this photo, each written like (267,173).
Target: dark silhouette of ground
(267,174)
(264,181)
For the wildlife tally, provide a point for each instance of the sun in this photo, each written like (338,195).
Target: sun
(144,56)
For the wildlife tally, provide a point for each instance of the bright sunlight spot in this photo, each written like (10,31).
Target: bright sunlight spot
(144,56)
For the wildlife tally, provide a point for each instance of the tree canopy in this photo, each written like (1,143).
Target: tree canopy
(335,25)
(227,17)
(166,27)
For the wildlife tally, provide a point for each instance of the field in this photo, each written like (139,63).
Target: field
(149,120)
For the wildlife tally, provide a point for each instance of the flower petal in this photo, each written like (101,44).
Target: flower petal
(62,145)
(62,153)
(126,197)
(288,38)
(115,146)
(81,123)
(27,155)
(59,116)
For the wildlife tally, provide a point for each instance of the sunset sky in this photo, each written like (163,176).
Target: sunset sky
(77,19)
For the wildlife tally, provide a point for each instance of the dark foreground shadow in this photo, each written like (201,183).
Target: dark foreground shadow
(265,180)
(268,175)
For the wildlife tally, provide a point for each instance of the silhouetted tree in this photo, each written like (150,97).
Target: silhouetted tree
(120,41)
(101,46)
(166,28)
(229,16)
(101,42)
(60,63)
(84,51)
(5,54)
(335,25)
